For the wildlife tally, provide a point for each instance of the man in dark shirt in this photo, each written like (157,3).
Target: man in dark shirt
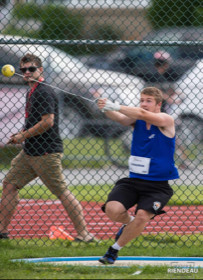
(42,152)
(163,78)
(164,72)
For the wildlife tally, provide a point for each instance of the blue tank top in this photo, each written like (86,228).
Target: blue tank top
(156,149)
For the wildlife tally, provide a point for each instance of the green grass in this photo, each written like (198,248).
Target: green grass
(79,152)
(187,195)
(183,195)
(151,245)
(89,152)
(6,155)
(84,152)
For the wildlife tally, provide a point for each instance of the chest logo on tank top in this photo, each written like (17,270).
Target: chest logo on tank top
(151,136)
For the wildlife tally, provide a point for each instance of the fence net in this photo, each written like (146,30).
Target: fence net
(90,50)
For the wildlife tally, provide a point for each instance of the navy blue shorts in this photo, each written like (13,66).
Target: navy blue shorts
(151,196)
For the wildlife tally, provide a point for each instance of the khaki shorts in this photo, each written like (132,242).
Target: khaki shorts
(48,168)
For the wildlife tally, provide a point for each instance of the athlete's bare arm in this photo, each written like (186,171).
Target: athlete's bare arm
(164,121)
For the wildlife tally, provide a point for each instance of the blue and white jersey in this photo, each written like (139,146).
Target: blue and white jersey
(152,154)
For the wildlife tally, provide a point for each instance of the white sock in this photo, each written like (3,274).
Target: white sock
(131,219)
(116,246)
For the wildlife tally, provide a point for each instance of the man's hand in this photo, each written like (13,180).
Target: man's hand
(106,105)
(17,138)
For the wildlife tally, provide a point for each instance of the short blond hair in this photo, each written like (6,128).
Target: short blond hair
(153,91)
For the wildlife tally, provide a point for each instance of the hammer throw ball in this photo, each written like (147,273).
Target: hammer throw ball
(8,70)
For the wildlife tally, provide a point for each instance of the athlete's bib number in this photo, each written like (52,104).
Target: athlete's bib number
(139,165)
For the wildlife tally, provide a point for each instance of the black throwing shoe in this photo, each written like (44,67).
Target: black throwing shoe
(110,256)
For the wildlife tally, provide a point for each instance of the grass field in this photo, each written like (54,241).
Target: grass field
(82,152)
(79,152)
(143,246)
(182,195)
(161,244)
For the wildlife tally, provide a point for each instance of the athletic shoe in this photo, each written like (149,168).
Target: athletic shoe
(110,256)
(4,235)
(119,232)
(93,239)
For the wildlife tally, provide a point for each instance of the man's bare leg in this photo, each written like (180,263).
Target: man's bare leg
(134,228)
(117,212)
(9,202)
(75,212)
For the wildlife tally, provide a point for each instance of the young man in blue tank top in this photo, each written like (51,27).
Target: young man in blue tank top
(151,165)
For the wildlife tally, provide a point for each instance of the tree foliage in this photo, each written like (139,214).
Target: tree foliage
(165,13)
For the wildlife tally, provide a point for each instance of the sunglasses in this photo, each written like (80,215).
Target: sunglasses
(31,69)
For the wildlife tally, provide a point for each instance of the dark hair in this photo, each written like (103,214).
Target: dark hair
(153,91)
(31,58)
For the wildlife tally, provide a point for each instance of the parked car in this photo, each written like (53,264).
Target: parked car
(72,81)
(189,118)
(189,114)
(139,60)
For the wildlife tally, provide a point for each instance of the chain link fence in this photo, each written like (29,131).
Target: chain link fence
(92,49)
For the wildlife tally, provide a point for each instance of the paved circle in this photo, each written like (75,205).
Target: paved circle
(194,262)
